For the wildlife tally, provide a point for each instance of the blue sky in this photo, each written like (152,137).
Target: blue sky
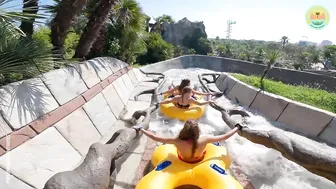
(256,19)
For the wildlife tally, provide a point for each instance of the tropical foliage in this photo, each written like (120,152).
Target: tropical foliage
(289,55)
(21,56)
(119,28)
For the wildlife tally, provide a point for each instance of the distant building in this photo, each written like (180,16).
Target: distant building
(325,43)
(306,43)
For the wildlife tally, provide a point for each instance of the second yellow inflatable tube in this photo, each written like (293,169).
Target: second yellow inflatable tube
(173,112)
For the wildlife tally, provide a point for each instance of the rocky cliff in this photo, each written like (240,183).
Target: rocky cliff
(175,32)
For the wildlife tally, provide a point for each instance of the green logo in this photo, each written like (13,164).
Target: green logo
(317,17)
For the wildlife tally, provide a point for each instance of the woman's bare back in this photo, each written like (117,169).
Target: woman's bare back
(184,148)
(179,99)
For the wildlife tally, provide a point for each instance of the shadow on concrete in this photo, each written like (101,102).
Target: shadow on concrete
(97,65)
(26,96)
(71,70)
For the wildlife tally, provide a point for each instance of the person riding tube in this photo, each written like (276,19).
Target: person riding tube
(185,99)
(177,90)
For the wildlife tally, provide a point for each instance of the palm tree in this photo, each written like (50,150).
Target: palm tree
(259,53)
(20,55)
(126,26)
(11,18)
(29,7)
(93,27)
(129,26)
(147,18)
(66,11)
(157,26)
(284,41)
(272,56)
(132,43)
(247,53)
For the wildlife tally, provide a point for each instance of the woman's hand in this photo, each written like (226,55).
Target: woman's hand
(137,127)
(211,101)
(240,127)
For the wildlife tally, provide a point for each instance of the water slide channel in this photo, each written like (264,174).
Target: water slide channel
(264,167)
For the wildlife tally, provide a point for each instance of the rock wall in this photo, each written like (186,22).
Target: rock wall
(175,32)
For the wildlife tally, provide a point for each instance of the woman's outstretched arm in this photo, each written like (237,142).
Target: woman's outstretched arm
(166,140)
(210,139)
(201,93)
(167,101)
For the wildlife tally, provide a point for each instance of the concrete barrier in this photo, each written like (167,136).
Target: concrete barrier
(242,93)
(227,84)
(328,134)
(270,104)
(48,123)
(300,117)
(220,64)
(306,118)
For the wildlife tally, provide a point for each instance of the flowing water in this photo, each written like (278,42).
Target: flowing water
(265,168)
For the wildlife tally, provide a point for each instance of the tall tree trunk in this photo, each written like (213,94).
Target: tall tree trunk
(268,67)
(93,27)
(68,10)
(98,46)
(29,7)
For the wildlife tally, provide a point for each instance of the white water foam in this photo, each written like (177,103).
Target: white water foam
(265,168)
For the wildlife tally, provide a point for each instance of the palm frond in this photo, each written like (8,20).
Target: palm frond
(19,54)
(11,18)
(52,8)
(272,55)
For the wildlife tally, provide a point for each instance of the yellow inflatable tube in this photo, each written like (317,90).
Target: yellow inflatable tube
(173,112)
(170,172)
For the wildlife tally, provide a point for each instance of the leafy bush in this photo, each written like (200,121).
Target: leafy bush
(43,35)
(333,62)
(221,50)
(178,51)
(22,57)
(157,50)
(204,46)
(191,51)
(70,44)
(191,41)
